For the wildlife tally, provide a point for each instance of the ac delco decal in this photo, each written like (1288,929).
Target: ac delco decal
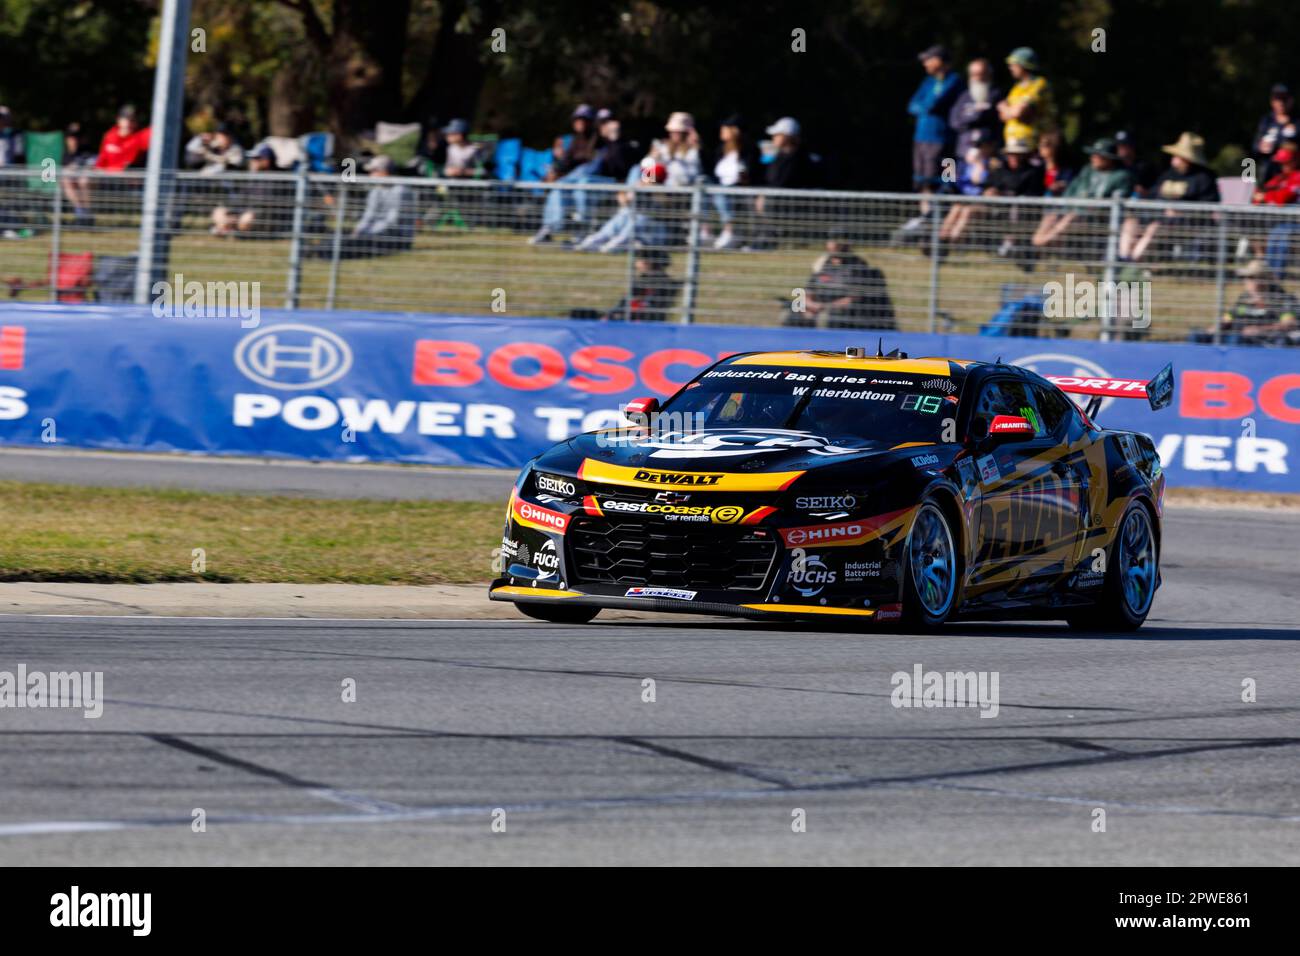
(531,366)
(600,471)
(841,534)
(535,516)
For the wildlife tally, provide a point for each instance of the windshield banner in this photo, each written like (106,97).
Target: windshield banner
(495,391)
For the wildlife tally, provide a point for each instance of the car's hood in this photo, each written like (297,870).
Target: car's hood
(722,449)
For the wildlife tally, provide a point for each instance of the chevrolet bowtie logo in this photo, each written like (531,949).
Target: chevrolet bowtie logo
(672,498)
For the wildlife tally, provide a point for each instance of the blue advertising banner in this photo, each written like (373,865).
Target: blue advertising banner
(494,391)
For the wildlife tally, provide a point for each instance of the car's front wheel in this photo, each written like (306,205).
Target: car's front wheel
(930,571)
(1131,577)
(558,613)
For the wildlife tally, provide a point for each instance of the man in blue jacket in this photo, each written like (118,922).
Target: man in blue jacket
(931,104)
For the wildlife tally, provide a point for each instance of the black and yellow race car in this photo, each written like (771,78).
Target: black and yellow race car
(847,485)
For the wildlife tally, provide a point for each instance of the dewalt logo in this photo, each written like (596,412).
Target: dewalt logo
(691,478)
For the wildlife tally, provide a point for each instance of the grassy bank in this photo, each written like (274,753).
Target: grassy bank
(58,533)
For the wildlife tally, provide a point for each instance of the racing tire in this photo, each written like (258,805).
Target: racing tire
(930,569)
(1131,576)
(558,613)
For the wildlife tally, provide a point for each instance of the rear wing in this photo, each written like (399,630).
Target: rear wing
(1158,391)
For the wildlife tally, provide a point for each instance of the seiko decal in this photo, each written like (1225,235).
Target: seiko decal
(555,485)
(813,503)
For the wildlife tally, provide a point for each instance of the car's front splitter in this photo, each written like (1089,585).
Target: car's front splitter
(504,591)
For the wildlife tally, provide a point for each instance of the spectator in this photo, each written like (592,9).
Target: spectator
(616,157)
(1144,174)
(1057,176)
(431,154)
(463,157)
(1276,127)
(930,106)
(1019,175)
(125,144)
(386,224)
(11,141)
(1264,313)
(1103,178)
(77,158)
(973,179)
(214,152)
(1027,112)
(581,148)
(575,163)
(792,167)
(844,292)
(1188,179)
(680,152)
(640,225)
(654,291)
(262,208)
(738,165)
(1281,190)
(975,110)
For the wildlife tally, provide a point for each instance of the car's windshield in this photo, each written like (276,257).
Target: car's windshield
(849,406)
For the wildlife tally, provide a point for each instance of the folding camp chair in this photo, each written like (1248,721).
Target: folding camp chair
(72,280)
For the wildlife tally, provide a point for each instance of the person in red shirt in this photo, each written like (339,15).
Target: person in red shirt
(1283,188)
(125,143)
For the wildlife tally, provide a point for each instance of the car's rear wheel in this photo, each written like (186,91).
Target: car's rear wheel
(558,613)
(930,572)
(1131,577)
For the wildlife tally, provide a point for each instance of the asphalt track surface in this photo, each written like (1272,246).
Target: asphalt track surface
(750,724)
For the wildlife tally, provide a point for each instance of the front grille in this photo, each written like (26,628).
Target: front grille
(680,554)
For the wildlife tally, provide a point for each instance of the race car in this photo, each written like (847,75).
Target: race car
(823,485)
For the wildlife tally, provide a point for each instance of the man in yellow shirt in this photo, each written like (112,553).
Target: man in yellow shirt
(1027,111)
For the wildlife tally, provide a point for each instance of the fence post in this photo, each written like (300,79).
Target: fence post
(692,256)
(936,220)
(294,279)
(56,236)
(631,254)
(1220,278)
(1108,278)
(337,244)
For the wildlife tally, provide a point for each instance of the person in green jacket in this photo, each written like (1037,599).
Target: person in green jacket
(1103,178)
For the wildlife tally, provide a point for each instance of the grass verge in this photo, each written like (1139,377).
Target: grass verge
(104,536)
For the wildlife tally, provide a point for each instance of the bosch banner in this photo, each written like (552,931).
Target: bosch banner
(495,391)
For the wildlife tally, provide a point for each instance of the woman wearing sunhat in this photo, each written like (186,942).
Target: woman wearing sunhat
(1188,179)
(1102,178)
(1028,110)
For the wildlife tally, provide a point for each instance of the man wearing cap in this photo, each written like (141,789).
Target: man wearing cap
(1102,178)
(1264,313)
(575,164)
(930,106)
(1282,189)
(1188,179)
(261,207)
(463,160)
(1028,110)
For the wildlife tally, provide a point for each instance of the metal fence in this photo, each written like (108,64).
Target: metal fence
(1045,267)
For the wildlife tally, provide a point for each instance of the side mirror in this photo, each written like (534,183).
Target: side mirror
(1010,428)
(639,410)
